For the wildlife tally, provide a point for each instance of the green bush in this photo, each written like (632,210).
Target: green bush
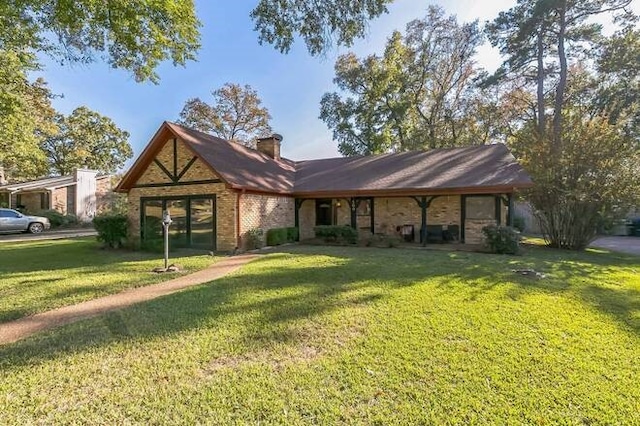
(502,239)
(253,239)
(58,219)
(112,229)
(277,236)
(337,234)
(293,234)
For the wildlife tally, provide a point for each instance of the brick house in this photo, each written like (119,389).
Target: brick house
(81,193)
(217,191)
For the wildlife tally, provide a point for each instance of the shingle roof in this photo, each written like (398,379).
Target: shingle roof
(483,167)
(239,166)
(453,168)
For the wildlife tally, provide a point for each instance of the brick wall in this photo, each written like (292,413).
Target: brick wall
(307,218)
(473,230)
(31,201)
(104,196)
(391,213)
(59,200)
(265,212)
(225,198)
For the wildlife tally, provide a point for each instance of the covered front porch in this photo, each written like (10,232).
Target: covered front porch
(417,219)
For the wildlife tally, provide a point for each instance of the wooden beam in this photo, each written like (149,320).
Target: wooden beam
(372,215)
(463,215)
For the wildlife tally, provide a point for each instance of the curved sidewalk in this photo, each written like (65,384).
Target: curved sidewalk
(24,327)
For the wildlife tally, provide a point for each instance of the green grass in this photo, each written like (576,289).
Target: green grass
(333,335)
(38,276)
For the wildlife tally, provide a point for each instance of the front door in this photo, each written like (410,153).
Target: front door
(324,212)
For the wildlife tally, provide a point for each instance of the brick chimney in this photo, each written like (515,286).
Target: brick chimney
(270,146)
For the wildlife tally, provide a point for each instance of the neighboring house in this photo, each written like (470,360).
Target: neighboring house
(79,194)
(217,191)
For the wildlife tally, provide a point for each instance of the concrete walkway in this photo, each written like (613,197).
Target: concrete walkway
(629,245)
(24,327)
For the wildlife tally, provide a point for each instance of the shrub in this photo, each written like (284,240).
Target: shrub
(254,239)
(58,219)
(112,229)
(339,234)
(277,236)
(502,239)
(293,234)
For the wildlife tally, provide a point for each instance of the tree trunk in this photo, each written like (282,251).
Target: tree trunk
(562,83)
(542,119)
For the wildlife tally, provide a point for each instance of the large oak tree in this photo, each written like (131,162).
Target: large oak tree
(86,139)
(236,114)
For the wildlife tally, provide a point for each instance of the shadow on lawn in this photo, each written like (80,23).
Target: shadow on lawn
(275,297)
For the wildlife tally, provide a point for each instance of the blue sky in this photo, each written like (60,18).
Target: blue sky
(290,85)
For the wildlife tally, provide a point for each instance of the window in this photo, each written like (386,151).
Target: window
(193,221)
(483,208)
(8,213)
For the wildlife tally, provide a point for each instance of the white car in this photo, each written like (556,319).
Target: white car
(14,221)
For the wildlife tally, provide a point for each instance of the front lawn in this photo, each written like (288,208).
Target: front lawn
(41,275)
(330,335)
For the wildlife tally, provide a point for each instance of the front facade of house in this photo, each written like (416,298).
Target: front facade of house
(217,191)
(81,193)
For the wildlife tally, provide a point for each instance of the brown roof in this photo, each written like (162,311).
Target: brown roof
(239,166)
(484,168)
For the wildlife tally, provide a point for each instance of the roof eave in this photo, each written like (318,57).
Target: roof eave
(408,192)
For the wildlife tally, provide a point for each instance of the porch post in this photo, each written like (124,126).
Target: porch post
(463,215)
(353,204)
(296,220)
(372,216)
(510,209)
(298,203)
(423,225)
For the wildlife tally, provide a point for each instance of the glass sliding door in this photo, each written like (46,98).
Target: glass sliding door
(151,225)
(178,230)
(202,222)
(193,221)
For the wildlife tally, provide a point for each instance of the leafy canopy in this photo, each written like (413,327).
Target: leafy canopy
(417,94)
(319,23)
(87,139)
(236,114)
(131,35)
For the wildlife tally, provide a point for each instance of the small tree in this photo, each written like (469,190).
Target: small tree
(596,173)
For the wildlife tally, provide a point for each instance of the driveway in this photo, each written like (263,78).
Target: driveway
(630,245)
(57,234)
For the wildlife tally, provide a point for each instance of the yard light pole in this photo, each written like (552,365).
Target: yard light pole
(166,221)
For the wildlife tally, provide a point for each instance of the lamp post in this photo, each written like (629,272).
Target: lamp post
(166,221)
